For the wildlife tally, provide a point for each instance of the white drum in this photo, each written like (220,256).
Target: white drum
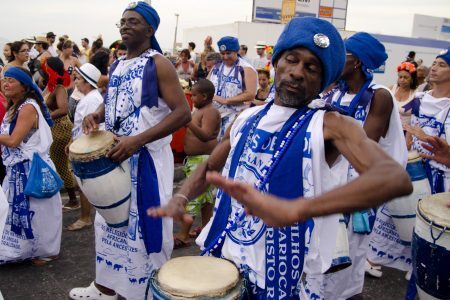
(106,184)
(403,210)
(431,247)
(341,255)
(196,277)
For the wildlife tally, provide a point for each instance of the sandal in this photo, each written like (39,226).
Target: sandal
(42,261)
(71,208)
(196,232)
(79,224)
(178,244)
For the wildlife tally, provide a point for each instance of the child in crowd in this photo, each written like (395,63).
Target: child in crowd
(86,78)
(199,142)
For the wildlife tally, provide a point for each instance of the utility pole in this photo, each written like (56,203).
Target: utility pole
(175,39)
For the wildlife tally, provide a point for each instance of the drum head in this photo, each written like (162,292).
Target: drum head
(89,147)
(194,276)
(413,156)
(434,208)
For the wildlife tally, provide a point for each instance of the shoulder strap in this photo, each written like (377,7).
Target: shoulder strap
(150,90)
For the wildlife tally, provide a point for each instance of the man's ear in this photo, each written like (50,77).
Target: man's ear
(151,31)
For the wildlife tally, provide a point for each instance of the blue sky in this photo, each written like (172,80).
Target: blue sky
(88,18)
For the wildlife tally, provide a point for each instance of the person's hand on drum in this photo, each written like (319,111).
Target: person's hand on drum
(125,148)
(272,210)
(439,148)
(90,122)
(174,209)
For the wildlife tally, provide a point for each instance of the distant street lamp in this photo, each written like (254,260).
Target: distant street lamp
(175,39)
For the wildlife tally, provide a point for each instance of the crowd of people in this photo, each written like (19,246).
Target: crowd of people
(303,137)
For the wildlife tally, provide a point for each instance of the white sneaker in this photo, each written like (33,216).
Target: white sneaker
(374,271)
(90,293)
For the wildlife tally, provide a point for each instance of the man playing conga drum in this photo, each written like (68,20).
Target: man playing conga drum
(290,148)
(144,105)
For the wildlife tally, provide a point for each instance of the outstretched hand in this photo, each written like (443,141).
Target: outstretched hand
(174,209)
(273,211)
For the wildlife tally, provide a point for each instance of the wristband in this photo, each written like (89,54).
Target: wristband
(182,197)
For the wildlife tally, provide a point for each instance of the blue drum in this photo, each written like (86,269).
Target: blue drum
(431,247)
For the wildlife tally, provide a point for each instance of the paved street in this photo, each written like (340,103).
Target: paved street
(75,267)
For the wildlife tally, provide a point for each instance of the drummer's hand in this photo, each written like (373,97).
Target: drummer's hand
(90,122)
(220,99)
(272,210)
(125,148)
(174,209)
(439,148)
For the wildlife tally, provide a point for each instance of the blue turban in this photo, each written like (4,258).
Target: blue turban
(318,36)
(367,49)
(26,80)
(151,17)
(228,43)
(445,55)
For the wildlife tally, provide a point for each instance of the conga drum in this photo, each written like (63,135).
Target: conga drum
(106,184)
(431,247)
(196,277)
(403,209)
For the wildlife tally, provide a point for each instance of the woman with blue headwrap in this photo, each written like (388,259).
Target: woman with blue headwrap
(33,227)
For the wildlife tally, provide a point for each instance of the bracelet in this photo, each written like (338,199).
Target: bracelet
(182,197)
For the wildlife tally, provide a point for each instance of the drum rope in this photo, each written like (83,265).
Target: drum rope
(439,235)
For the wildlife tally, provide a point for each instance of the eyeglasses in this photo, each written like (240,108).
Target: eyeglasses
(131,22)
(24,50)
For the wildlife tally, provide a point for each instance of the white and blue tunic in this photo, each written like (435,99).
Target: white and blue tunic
(45,214)
(246,243)
(433,117)
(229,82)
(122,262)
(349,282)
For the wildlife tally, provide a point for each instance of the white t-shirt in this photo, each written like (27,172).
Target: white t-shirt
(88,104)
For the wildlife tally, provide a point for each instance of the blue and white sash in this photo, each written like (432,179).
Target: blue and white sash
(285,247)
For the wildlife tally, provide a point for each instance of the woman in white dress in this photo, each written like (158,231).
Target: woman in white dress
(33,226)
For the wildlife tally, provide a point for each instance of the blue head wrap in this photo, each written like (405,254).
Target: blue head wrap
(445,55)
(151,17)
(318,36)
(25,79)
(368,50)
(228,43)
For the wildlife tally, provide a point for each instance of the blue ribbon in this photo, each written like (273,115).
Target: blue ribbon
(148,196)
(21,215)
(435,178)
(25,79)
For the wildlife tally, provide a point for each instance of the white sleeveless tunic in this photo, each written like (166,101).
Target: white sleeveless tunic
(245,246)
(46,220)
(349,282)
(122,263)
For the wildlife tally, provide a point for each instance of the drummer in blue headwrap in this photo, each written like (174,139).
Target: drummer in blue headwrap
(33,226)
(143,107)
(285,148)
(372,105)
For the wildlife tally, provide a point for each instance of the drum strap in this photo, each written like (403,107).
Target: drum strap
(148,196)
